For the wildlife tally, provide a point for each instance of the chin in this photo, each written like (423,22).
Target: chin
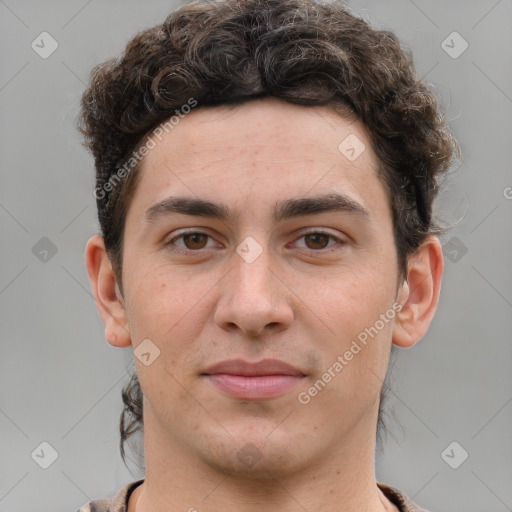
(254,456)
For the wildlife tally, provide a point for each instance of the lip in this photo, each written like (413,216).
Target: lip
(264,379)
(253,369)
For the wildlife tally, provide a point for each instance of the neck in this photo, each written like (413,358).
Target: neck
(176,479)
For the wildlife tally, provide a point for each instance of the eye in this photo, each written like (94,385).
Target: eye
(192,241)
(196,241)
(318,240)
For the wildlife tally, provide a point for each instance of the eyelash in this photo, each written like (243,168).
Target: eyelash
(339,241)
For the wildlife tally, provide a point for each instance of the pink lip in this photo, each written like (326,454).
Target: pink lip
(265,379)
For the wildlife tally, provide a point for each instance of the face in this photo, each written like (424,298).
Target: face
(272,311)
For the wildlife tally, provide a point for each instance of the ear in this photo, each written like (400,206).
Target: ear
(108,298)
(419,294)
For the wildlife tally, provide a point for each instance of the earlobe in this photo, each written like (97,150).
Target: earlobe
(106,293)
(419,295)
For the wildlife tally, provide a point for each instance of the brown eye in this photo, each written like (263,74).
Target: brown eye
(194,241)
(317,240)
(320,241)
(188,243)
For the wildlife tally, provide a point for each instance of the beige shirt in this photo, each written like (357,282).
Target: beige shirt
(119,503)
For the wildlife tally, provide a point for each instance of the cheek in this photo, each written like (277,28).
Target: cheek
(360,316)
(367,350)
(165,306)
(353,301)
(367,324)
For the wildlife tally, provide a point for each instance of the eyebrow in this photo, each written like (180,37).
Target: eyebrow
(284,209)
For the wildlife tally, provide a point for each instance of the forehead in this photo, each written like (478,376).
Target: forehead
(260,151)
(253,126)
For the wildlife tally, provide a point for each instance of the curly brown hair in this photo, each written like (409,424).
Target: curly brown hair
(231,51)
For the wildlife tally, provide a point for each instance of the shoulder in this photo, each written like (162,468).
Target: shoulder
(400,499)
(116,504)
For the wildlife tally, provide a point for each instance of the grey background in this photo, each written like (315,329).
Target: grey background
(60,381)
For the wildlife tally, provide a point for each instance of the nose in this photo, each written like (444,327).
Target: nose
(254,297)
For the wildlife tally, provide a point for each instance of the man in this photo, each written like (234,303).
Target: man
(265,178)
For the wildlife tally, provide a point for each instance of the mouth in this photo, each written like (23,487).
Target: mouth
(260,380)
